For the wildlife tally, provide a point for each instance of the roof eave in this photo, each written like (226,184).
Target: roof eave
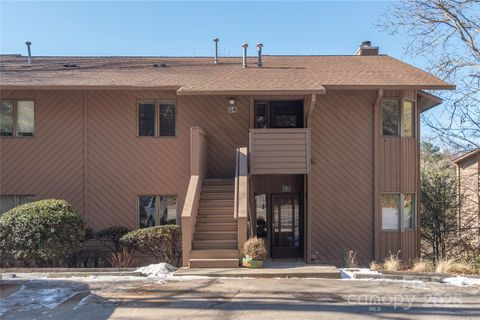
(189,92)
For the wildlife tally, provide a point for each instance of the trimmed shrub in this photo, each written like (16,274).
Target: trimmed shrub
(162,242)
(41,233)
(110,237)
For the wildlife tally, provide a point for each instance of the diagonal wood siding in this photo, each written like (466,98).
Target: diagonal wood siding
(86,151)
(49,165)
(342,176)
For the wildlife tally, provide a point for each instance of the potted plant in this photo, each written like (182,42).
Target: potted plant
(255,252)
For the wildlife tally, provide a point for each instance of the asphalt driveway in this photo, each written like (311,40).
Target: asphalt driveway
(213,298)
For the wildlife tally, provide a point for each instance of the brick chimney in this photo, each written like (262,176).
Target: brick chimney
(366,49)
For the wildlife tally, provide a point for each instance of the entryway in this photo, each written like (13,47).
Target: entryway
(279,215)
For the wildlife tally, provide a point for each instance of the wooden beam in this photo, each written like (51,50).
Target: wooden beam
(313,101)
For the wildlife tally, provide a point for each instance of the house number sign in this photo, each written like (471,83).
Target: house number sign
(232,109)
(286,188)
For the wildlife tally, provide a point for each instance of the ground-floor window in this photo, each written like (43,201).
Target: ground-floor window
(398,211)
(261,215)
(154,210)
(8,202)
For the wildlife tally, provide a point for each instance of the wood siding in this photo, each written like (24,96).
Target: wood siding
(341,176)
(397,171)
(279,151)
(86,150)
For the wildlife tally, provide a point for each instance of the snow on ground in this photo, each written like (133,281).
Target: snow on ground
(348,273)
(26,299)
(158,271)
(462,281)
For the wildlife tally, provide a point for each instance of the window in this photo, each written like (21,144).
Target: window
(151,126)
(408,118)
(279,114)
(156,210)
(396,217)
(394,118)
(17,118)
(408,211)
(390,117)
(146,119)
(390,212)
(8,202)
(167,119)
(261,215)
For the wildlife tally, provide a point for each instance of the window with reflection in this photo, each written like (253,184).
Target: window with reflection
(408,118)
(390,117)
(261,215)
(279,114)
(167,120)
(17,118)
(8,202)
(390,211)
(409,211)
(154,210)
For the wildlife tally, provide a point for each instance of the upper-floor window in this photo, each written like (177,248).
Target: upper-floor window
(155,210)
(398,118)
(279,114)
(17,118)
(8,202)
(156,119)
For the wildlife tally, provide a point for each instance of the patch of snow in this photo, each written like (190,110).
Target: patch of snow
(84,301)
(462,281)
(26,299)
(348,273)
(158,271)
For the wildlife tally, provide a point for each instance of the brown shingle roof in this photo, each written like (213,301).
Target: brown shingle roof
(200,75)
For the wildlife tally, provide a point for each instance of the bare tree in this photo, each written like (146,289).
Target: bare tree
(446,34)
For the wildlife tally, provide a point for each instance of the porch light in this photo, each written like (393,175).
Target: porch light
(231,101)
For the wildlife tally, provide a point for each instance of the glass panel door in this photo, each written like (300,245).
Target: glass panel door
(287,226)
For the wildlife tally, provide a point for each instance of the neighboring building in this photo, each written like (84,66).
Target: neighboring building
(331,143)
(468,168)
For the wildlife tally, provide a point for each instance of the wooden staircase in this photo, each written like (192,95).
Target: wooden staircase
(215,242)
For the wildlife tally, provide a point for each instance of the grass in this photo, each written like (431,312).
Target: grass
(422,266)
(392,262)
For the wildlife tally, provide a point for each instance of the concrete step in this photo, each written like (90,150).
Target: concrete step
(214,203)
(217,195)
(218,189)
(214,263)
(215,219)
(214,254)
(207,227)
(214,244)
(218,182)
(216,235)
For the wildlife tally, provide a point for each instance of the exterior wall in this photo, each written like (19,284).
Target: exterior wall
(469,190)
(397,170)
(85,150)
(341,195)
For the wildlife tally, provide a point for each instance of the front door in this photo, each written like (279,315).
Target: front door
(287,227)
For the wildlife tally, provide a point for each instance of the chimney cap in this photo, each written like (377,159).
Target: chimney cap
(259,45)
(28,43)
(215,39)
(366,43)
(244,45)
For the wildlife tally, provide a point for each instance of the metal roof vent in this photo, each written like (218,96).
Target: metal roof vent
(70,65)
(216,50)
(29,59)
(259,46)
(159,65)
(245,46)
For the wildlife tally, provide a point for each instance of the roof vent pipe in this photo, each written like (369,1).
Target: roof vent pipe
(245,46)
(260,46)
(29,59)
(216,50)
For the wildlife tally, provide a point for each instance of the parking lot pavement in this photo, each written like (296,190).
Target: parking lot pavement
(215,298)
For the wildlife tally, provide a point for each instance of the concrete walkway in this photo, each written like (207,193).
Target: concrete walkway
(270,270)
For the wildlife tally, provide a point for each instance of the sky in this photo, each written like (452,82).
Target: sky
(158,28)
